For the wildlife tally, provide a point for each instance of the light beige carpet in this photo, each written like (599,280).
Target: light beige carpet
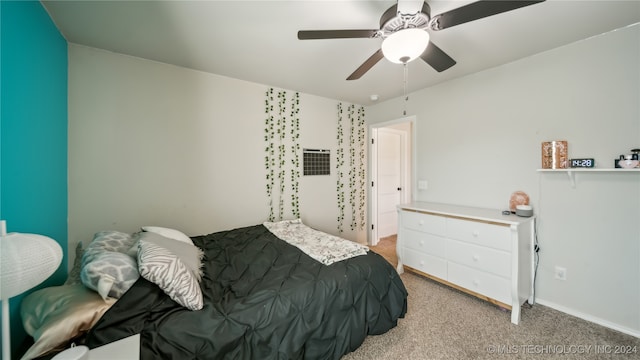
(442,323)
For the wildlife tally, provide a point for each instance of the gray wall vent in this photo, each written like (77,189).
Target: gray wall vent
(316,161)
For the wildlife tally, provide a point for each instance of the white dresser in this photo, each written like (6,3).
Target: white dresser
(478,251)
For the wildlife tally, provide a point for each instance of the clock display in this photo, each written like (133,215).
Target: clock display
(582,163)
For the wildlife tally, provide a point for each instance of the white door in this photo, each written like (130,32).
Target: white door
(389,186)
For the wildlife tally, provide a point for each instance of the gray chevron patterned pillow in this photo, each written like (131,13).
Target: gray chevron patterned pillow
(164,268)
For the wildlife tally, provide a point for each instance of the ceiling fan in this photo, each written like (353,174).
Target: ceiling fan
(404,29)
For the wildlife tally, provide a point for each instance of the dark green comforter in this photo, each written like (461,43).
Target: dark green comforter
(263,299)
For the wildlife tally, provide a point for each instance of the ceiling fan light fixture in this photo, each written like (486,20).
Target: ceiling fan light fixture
(405,45)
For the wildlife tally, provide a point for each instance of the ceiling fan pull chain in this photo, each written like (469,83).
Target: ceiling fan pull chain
(406,79)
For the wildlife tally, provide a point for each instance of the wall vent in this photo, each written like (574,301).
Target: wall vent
(316,161)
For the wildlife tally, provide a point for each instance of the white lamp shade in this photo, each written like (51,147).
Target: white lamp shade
(26,261)
(405,45)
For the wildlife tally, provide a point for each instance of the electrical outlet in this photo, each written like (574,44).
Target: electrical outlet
(560,273)
(423,185)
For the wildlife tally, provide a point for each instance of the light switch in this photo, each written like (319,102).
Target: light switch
(422,185)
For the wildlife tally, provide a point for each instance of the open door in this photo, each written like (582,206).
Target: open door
(391,174)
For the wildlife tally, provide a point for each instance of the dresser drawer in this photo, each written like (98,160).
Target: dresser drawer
(427,243)
(423,222)
(481,258)
(483,283)
(428,264)
(479,233)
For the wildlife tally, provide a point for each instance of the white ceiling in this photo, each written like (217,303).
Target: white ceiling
(257,40)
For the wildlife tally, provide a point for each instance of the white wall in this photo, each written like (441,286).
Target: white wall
(478,140)
(151,143)
(156,144)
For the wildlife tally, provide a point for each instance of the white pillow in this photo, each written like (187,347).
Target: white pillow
(170,233)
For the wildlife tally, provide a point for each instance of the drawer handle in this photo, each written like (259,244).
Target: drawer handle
(421,242)
(422,262)
(476,233)
(421,222)
(476,282)
(475,257)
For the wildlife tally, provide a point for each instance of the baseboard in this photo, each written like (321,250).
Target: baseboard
(589,318)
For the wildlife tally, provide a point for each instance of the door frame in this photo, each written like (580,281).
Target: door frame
(408,176)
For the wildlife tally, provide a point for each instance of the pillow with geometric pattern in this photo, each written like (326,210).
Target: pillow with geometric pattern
(106,267)
(110,274)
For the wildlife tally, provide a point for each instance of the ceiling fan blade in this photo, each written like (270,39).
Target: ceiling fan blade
(368,64)
(438,59)
(477,10)
(335,34)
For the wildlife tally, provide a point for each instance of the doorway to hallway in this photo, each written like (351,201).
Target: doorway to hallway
(391,175)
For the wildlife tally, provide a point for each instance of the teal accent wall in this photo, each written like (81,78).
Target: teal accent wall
(33,134)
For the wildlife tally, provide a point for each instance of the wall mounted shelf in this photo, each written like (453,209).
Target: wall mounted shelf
(571,172)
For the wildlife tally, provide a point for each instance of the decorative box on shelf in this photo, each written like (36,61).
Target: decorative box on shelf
(555,154)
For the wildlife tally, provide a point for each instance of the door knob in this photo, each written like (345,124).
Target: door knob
(399,189)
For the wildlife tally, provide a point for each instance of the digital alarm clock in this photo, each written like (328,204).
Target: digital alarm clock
(582,163)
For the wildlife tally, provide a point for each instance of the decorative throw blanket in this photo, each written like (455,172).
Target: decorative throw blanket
(321,246)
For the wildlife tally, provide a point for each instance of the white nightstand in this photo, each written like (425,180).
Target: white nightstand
(123,349)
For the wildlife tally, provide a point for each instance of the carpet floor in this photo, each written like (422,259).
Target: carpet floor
(443,323)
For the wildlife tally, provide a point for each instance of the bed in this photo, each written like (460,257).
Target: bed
(262,298)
